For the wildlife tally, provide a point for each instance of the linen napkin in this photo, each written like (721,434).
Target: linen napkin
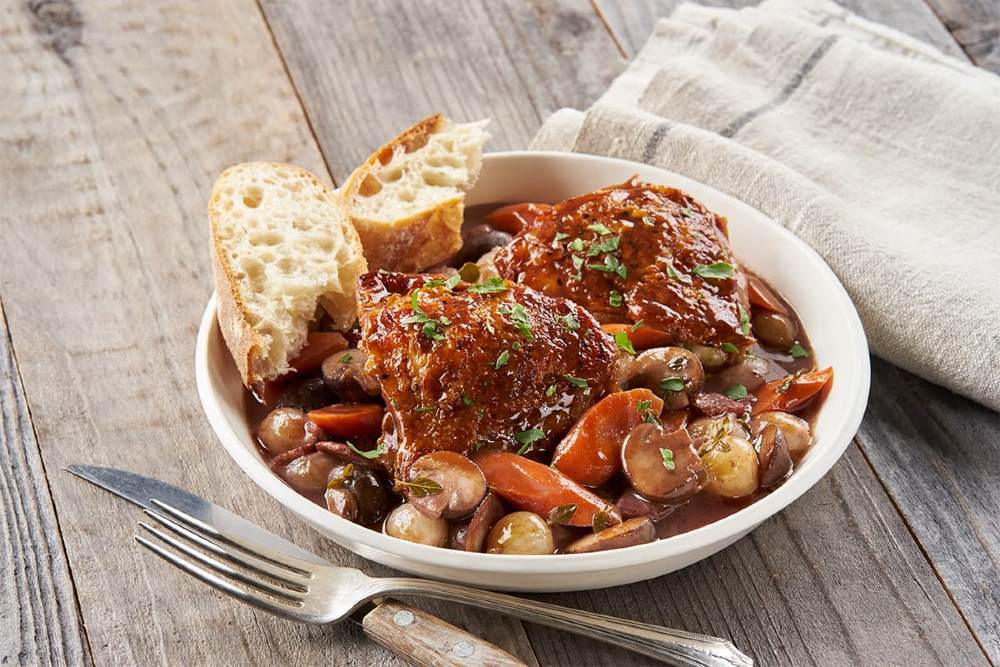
(876,149)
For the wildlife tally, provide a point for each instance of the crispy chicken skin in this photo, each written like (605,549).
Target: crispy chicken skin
(634,252)
(464,366)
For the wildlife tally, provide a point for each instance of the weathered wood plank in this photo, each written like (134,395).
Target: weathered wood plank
(835,579)
(975,24)
(632,20)
(39,619)
(115,121)
(370,69)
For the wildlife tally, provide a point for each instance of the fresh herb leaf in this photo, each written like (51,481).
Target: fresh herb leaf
(434,282)
(516,346)
(570,322)
(491,285)
(423,486)
(615,298)
(489,327)
(687,210)
(635,327)
(576,245)
(551,391)
(560,236)
(562,514)
(668,458)
(423,409)
(736,392)
(650,418)
(430,329)
(607,245)
(643,406)
(716,270)
(599,228)
(451,282)
(467,402)
(730,348)
(672,384)
(648,221)
(577,262)
(576,382)
(798,352)
(339,480)
(674,274)
(611,265)
(526,438)
(624,342)
(502,360)
(744,321)
(373,454)
(519,318)
(346,359)
(601,520)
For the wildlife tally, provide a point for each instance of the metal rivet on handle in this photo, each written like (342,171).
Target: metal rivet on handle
(463,649)
(403,618)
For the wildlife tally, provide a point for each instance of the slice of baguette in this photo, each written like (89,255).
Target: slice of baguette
(281,245)
(408,198)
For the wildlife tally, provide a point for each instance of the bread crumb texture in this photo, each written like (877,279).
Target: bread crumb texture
(285,245)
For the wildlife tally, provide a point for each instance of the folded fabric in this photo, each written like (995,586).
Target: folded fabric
(879,151)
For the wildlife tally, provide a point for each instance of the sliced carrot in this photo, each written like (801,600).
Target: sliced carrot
(515,217)
(591,452)
(642,337)
(349,420)
(319,346)
(763,297)
(792,392)
(535,487)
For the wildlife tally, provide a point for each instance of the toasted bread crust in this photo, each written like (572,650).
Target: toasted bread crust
(416,242)
(245,344)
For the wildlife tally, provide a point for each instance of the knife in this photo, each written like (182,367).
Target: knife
(431,641)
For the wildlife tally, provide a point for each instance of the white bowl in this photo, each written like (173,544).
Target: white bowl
(766,247)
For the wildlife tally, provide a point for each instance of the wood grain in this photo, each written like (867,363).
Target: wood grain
(115,121)
(374,68)
(39,619)
(975,24)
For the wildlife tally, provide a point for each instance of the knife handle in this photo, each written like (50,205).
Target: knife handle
(426,640)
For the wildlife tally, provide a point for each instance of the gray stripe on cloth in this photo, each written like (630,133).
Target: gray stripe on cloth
(786,92)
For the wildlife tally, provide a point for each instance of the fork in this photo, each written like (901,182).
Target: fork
(305,591)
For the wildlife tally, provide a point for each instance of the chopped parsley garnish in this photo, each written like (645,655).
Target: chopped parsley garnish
(516,347)
(467,402)
(518,317)
(551,391)
(798,352)
(643,406)
(609,244)
(429,325)
(560,236)
(452,281)
(624,342)
(730,348)
(346,359)
(576,245)
(570,322)
(373,454)
(615,298)
(491,285)
(744,321)
(687,210)
(716,270)
(674,274)
(342,478)
(576,382)
(668,458)
(650,418)
(502,360)
(423,409)
(736,392)
(611,265)
(526,438)
(635,327)
(599,228)
(648,221)
(672,384)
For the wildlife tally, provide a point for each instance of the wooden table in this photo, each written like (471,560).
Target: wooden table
(116,116)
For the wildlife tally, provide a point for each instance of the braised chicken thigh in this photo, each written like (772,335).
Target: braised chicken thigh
(637,252)
(463,366)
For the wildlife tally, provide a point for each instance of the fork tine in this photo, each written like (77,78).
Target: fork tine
(218,583)
(274,557)
(252,563)
(222,568)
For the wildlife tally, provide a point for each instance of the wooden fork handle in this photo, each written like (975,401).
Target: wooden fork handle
(426,640)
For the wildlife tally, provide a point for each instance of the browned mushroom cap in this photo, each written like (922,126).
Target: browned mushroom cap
(456,487)
(471,535)
(662,466)
(775,459)
(626,534)
(344,374)
(672,373)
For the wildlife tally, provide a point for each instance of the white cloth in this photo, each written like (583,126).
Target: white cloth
(879,151)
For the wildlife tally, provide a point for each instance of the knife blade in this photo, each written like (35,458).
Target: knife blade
(414,634)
